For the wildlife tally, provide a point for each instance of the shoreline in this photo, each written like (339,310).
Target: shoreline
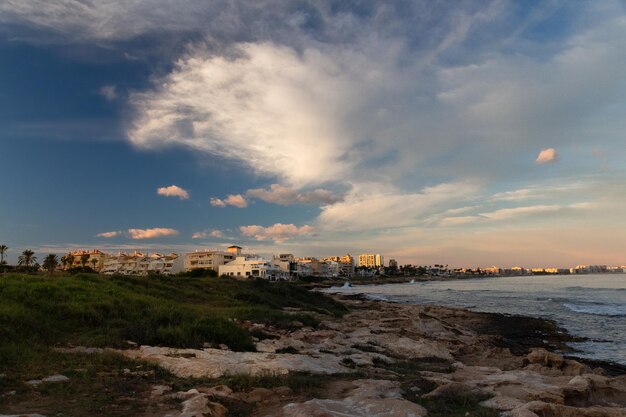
(516,332)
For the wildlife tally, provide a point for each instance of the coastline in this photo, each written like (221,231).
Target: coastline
(380,358)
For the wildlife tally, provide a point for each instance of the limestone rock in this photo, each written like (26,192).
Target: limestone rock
(369,398)
(214,363)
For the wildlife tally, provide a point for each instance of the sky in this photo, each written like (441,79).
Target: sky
(464,133)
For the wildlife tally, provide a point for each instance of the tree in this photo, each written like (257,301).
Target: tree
(94,261)
(50,263)
(67,261)
(3,250)
(27,258)
(84,258)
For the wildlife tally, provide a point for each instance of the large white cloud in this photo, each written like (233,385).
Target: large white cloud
(285,196)
(278,232)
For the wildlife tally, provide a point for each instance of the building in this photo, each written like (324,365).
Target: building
(243,267)
(93,259)
(210,259)
(345,264)
(138,263)
(372,261)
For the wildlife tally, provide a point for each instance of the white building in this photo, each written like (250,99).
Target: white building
(138,263)
(210,259)
(371,260)
(243,268)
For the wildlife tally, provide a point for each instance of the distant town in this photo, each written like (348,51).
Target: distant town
(232,262)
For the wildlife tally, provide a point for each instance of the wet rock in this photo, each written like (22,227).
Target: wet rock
(52,378)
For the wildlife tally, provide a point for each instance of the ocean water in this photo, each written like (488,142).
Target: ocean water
(592,306)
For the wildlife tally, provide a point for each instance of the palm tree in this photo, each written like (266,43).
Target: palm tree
(84,258)
(3,250)
(50,263)
(67,261)
(27,258)
(94,261)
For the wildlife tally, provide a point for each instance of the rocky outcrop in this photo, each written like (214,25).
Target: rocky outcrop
(214,363)
(368,398)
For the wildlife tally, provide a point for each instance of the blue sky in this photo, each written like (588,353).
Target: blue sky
(464,133)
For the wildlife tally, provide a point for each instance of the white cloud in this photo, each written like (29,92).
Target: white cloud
(173,191)
(110,234)
(109,92)
(547,155)
(151,233)
(236,200)
(278,232)
(279,194)
(376,206)
(208,233)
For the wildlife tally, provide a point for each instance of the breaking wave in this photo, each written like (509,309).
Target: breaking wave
(598,309)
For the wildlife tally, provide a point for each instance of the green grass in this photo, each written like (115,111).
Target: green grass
(38,313)
(92,310)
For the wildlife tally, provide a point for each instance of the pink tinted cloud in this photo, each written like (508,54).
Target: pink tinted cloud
(109,234)
(278,232)
(546,156)
(151,233)
(207,233)
(173,191)
(235,200)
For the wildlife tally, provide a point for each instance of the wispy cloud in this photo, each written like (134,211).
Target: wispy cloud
(278,232)
(140,233)
(110,234)
(109,92)
(285,196)
(173,191)
(235,200)
(208,233)
(151,233)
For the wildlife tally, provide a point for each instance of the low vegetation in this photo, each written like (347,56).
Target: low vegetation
(37,312)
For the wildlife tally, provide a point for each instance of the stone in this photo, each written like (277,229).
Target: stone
(56,378)
(159,390)
(214,363)
(369,398)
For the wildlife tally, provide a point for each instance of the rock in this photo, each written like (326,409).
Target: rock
(198,405)
(158,390)
(214,363)
(223,346)
(34,382)
(369,398)
(56,378)
(221,391)
(257,395)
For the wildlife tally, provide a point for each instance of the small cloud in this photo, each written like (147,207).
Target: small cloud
(151,233)
(284,196)
(109,92)
(173,191)
(208,233)
(109,234)
(278,232)
(236,200)
(546,156)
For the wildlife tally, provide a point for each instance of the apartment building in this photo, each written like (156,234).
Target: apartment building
(370,260)
(210,259)
(91,258)
(138,263)
(244,268)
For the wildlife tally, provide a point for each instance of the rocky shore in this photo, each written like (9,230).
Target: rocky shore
(397,360)
(380,359)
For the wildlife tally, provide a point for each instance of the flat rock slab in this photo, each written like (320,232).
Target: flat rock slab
(214,363)
(369,398)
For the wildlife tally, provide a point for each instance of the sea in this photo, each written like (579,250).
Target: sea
(592,306)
